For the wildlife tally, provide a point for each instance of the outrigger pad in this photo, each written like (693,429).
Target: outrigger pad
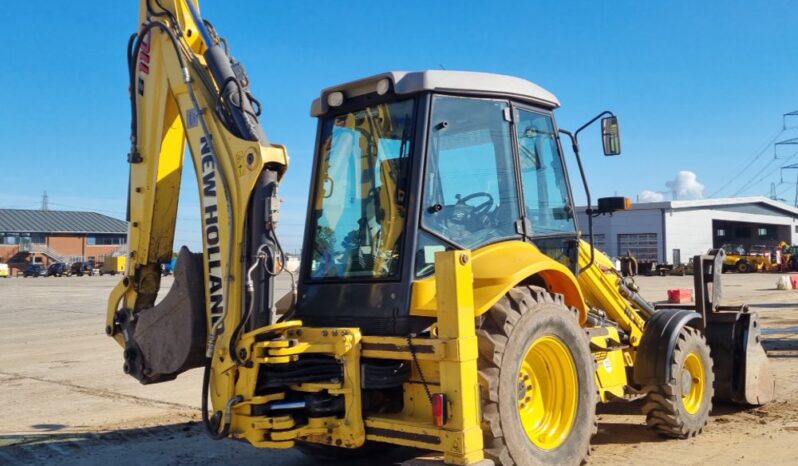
(742,371)
(171,336)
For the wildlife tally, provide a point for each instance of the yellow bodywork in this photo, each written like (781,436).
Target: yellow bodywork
(463,289)
(449,363)
(498,268)
(600,284)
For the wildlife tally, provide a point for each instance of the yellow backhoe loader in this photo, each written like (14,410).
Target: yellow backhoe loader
(444,300)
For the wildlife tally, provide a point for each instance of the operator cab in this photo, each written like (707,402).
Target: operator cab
(410,164)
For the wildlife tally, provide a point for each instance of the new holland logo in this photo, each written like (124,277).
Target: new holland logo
(211,233)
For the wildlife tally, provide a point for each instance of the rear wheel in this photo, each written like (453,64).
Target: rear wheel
(743,266)
(538,380)
(681,408)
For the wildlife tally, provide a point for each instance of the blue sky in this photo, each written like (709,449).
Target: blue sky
(698,86)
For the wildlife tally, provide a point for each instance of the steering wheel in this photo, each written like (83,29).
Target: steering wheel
(479,209)
(470,217)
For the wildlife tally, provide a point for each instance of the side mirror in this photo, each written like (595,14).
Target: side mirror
(611,135)
(608,205)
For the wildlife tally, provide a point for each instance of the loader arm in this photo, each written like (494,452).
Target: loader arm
(186,88)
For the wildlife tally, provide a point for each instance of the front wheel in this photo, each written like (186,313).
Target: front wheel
(538,381)
(680,408)
(744,266)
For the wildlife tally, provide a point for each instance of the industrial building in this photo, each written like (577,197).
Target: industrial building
(45,236)
(674,231)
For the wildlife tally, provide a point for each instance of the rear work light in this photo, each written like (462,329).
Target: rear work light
(439,413)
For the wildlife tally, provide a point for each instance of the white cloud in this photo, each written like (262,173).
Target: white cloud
(650,196)
(686,186)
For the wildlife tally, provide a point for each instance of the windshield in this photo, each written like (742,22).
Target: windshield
(360,197)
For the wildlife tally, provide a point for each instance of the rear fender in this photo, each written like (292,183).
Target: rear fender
(497,269)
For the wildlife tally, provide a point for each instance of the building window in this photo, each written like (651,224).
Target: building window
(9,238)
(599,242)
(106,240)
(27,238)
(721,232)
(643,246)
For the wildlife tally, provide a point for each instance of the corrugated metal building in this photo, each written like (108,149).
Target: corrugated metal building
(675,231)
(44,236)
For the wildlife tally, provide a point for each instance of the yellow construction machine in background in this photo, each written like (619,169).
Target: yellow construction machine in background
(113,265)
(444,300)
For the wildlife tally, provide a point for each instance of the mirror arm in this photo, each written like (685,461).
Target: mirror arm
(593,120)
(589,210)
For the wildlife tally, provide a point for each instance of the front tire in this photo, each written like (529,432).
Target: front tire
(743,266)
(538,381)
(680,408)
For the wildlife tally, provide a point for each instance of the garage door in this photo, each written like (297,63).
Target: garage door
(643,246)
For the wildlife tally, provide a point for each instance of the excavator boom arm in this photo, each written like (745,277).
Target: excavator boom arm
(187,88)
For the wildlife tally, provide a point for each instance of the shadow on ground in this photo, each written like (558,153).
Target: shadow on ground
(176,444)
(635,430)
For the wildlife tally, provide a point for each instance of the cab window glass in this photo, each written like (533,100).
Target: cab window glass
(470,190)
(359,208)
(548,205)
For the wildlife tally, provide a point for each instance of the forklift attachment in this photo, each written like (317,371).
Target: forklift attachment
(742,371)
(741,364)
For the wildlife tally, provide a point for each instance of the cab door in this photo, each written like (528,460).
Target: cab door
(547,202)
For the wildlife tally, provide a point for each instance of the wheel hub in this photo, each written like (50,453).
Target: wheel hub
(687,381)
(547,392)
(692,383)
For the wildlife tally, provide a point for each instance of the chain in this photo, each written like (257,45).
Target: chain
(420,374)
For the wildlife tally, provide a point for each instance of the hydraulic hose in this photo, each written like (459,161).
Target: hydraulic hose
(213,431)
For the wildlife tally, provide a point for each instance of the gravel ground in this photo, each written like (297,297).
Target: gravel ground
(68,402)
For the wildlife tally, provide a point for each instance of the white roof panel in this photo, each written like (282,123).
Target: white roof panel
(463,82)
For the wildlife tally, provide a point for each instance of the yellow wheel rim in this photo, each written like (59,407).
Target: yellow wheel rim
(547,392)
(693,383)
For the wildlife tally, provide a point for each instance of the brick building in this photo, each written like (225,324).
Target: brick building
(45,236)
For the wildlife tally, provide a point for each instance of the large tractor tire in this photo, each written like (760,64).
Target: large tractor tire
(680,409)
(537,377)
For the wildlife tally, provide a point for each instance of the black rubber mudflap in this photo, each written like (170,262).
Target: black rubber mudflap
(170,337)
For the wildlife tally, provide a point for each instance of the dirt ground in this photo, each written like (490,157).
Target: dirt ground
(66,400)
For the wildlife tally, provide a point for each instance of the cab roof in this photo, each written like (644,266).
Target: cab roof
(461,82)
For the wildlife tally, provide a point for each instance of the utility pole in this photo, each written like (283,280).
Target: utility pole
(785,142)
(44,201)
(793,166)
